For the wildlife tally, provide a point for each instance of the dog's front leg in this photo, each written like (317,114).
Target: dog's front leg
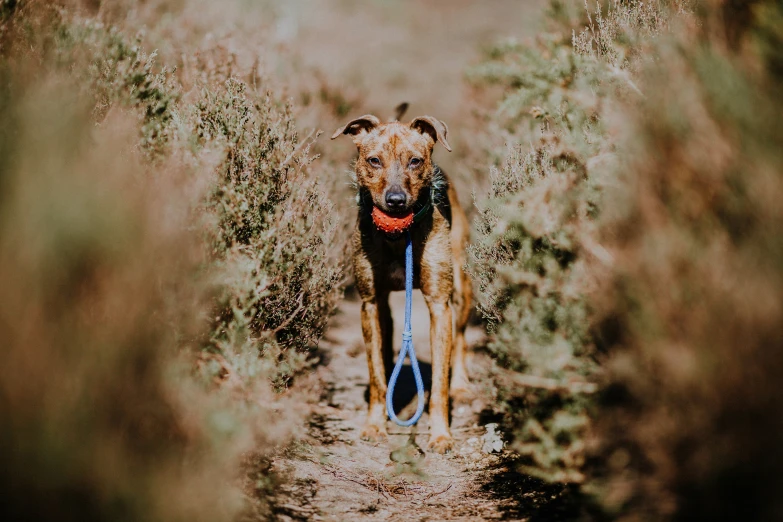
(372,311)
(436,286)
(440,342)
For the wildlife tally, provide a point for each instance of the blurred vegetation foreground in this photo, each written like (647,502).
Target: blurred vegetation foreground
(164,270)
(629,257)
(169,254)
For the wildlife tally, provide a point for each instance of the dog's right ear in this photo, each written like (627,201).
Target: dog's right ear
(433,127)
(362,124)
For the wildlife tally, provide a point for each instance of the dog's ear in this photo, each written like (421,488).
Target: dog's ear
(433,127)
(362,124)
(399,111)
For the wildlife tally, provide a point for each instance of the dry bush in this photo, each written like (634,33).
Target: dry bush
(100,293)
(276,229)
(689,423)
(535,250)
(664,120)
(158,279)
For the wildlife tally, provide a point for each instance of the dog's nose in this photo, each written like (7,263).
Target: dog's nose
(395,200)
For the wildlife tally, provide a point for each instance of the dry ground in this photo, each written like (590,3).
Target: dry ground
(335,476)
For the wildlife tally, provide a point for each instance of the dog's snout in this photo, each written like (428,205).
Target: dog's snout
(396,199)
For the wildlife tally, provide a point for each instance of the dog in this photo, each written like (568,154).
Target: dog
(398,183)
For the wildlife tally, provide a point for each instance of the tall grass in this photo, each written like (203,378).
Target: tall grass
(626,256)
(168,261)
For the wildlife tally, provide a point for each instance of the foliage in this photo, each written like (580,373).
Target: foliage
(692,309)
(535,241)
(275,227)
(167,260)
(627,245)
(100,289)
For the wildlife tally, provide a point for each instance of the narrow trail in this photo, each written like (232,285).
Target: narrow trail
(333,475)
(382,53)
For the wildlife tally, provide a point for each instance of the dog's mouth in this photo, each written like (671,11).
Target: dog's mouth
(396,213)
(396,210)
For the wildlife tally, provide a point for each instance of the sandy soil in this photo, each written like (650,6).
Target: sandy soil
(334,476)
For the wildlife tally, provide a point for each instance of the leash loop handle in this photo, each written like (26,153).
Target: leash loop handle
(407,347)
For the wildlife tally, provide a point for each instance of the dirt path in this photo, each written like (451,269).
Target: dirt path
(335,476)
(389,52)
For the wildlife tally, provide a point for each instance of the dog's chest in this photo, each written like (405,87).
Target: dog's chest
(394,264)
(396,274)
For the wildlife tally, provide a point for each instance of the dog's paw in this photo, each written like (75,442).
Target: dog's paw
(373,433)
(461,394)
(441,443)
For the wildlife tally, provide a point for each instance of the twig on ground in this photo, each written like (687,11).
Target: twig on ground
(453,430)
(534,381)
(437,493)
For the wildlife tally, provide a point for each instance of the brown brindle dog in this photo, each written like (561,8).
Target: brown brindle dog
(395,173)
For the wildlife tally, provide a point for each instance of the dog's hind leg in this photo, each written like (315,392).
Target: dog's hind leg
(387,335)
(461,299)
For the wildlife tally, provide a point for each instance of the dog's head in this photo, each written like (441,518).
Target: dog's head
(395,159)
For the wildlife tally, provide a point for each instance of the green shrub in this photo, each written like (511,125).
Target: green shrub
(536,258)
(101,291)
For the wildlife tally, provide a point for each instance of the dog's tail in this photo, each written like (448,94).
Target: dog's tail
(399,111)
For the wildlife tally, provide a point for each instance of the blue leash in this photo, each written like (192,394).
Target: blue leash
(407,346)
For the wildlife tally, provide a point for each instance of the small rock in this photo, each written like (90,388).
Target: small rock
(493,442)
(471,449)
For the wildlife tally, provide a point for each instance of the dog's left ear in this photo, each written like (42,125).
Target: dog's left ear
(433,127)
(360,125)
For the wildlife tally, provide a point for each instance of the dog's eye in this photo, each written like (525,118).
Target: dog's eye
(375,162)
(415,162)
